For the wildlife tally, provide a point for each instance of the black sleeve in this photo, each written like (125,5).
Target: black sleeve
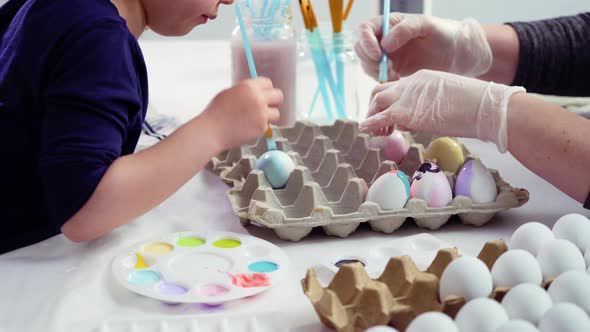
(555,55)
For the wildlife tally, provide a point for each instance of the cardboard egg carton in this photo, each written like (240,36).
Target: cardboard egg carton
(354,302)
(334,169)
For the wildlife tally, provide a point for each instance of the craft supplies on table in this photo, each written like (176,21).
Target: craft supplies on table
(334,169)
(200,267)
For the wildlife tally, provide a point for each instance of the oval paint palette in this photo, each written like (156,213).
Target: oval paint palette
(193,267)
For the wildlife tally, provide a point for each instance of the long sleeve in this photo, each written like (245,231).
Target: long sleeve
(555,55)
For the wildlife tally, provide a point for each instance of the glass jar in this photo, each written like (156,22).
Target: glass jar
(274,48)
(328,76)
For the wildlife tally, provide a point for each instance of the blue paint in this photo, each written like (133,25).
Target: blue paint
(277,167)
(263,266)
(143,277)
(402,176)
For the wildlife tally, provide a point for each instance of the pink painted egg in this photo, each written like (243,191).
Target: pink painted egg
(430,184)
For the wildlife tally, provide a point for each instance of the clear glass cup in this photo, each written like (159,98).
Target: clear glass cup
(325,95)
(273,41)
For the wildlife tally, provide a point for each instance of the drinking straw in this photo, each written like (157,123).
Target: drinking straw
(270,142)
(383,63)
(336,13)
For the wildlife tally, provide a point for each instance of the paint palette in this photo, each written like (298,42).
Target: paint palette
(193,267)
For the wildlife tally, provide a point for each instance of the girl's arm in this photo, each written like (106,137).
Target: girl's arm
(134,184)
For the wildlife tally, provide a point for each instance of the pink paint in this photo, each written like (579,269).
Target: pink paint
(394,147)
(253,280)
(212,290)
(274,59)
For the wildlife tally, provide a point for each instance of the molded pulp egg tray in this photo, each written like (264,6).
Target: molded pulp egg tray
(334,169)
(354,302)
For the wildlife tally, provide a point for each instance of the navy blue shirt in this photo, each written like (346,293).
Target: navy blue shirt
(73,97)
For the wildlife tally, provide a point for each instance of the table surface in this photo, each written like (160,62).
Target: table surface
(57,285)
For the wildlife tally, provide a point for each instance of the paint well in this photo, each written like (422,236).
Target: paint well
(143,277)
(227,243)
(168,288)
(158,248)
(190,241)
(263,266)
(347,261)
(212,290)
(140,263)
(248,281)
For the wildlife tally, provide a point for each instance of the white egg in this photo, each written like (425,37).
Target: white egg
(528,302)
(531,237)
(432,321)
(516,267)
(574,228)
(391,190)
(476,181)
(381,328)
(467,277)
(564,317)
(572,287)
(481,315)
(430,183)
(517,326)
(559,256)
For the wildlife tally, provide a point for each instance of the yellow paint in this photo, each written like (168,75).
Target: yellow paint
(158,248)
(447,153)
(140,263)
(227,243)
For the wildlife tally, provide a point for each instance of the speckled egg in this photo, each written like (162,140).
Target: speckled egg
(430,184)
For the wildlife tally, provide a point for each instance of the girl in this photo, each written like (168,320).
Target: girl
(73,97)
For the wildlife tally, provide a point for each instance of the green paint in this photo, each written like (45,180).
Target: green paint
(143,277)
(263,266)
(190,241)
(227,243)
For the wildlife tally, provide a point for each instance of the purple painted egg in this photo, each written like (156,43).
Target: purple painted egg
(476,181)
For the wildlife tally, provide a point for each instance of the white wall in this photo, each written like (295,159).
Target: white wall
(222,27)
(500,11)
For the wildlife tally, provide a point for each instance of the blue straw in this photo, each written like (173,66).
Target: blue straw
(383,63)
(320,72)
(327,71)
(246,43)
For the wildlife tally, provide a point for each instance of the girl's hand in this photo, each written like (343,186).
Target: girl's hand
(243,111)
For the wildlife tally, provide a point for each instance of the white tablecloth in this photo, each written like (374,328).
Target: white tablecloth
(60,286)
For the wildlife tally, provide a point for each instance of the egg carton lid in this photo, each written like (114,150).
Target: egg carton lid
(334,168)
(353,301)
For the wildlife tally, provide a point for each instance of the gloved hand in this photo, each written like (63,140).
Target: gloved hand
(444,104)
(417,42)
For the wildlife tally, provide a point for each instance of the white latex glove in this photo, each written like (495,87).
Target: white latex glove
(417,42)
(444,104)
